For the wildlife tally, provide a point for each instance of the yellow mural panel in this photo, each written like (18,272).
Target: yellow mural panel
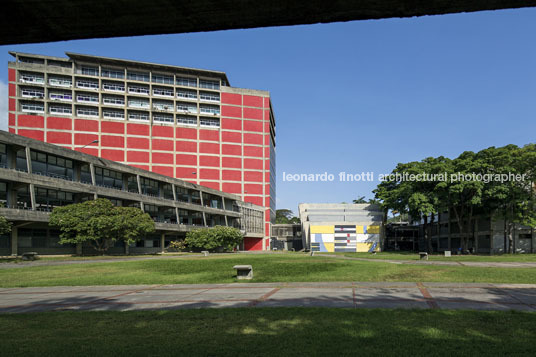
(330,247)
(373,229)
(322,229)
(359,230)
(365,247)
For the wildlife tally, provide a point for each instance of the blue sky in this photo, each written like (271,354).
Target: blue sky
(364,95)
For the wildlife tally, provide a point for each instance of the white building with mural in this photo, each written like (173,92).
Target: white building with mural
(334,227)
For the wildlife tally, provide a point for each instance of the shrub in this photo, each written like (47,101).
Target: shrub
(211,238)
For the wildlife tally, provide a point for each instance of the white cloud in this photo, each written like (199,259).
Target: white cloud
(3,106)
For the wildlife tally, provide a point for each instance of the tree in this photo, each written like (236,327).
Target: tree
(360,200)
(100,223)
(212,238)
(5,225)
(285,216)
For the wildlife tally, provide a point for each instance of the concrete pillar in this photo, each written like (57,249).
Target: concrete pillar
(77,171)
(203,205)
(125,181)
(162,242)
(225,216)
(28,159)
(177,215)
(32,196)
(14,240)
(11,157)
(11,195)
(92,172)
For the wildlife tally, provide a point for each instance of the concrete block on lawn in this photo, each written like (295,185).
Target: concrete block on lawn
(244,272)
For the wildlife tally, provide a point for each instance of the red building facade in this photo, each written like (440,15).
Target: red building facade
(179,122)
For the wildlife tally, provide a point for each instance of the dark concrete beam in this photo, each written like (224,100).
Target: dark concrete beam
(26,21)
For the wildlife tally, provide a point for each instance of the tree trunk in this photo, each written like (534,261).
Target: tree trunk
(425,230)
(429,244)
(460,225)
(510,237)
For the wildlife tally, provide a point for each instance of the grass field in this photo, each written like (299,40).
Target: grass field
(441,257)
(263,332)
(267,268)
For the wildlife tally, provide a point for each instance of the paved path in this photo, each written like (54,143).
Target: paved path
(347,295)
(440,262)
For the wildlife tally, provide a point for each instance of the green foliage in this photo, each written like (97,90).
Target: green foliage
(212,238)
(5,225)
(100,223)
(177,245)
(286,216)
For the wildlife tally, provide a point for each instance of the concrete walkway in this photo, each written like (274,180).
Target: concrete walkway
(439,262)
(347,295)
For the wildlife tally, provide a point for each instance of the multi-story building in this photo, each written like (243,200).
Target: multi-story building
(180,122)
(35,177)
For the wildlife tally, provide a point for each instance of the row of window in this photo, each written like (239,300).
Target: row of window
(29,92)
(56,166)
(29,77)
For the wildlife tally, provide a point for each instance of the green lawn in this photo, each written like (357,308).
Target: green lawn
(267,268)
(441,257)
(269,332)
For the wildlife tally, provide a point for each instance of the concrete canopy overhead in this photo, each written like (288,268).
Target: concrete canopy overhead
(30,21)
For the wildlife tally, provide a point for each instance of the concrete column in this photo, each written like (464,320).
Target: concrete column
(162,242)
(11,195)
(203,205)
(225,216)
(11,157)
(28,159)
(77,171)
(14,240)
(138,180)
(177,215)
(174,192)
(125,182)
(92,172)
(32,196)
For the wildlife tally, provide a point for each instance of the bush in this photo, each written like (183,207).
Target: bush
(212,238)
(177,245)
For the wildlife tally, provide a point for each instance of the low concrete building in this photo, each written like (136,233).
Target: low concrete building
(286,237)
(35,177)
(488,235)
(334,227)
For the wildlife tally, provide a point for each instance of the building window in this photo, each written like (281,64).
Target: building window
(186,107)
(60,109)
(113,114)
(160,78)
(209,96)
(163,118)
(89,71)
(166,92)
(51,165)
(113,100)
(66,97)
(60,82)
(108,178)
(138,90)
(83,83)
(209,109)
(47,199)
(138,103)
(133,115)
(112,73)
(113,87)
(87,112)
(138,76)
(186,94)
(32,107)
(32,93)
(148,186)
(31,60)
(60,64)
(212,122)
(187,82)
(87,98)
(186,120)
(32,78)
(209,84)
(167,106)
